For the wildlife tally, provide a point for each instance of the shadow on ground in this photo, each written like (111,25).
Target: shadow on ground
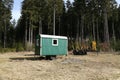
(28,58)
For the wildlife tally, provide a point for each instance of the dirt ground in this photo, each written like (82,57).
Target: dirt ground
(24,66)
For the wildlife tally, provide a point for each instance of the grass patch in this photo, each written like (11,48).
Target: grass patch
(4,50)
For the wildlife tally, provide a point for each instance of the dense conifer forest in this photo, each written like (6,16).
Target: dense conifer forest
(82,21)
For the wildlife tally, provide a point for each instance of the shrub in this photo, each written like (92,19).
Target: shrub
(29,47)
(19,47)
(117,46)
(104,47)
(4,50)
(70,45)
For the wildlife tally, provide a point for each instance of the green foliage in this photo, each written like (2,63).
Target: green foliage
(112,44)
(98,46)
(74,45)
(38,14)
(4,50)
(19,47)
(5,24)
(29,47)
(70,45)
(117,45)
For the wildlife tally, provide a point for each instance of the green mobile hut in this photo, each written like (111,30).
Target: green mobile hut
(51,45)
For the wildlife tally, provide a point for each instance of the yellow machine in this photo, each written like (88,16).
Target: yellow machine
(94,46)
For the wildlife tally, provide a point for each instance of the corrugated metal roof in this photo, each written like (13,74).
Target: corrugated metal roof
(53,36)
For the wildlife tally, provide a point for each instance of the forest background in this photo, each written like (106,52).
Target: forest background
(82,21)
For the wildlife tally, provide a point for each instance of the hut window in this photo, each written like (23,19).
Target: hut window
(55,42)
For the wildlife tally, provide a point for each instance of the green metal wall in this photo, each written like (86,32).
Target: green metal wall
(49,49)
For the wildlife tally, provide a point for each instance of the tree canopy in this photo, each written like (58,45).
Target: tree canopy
(81,20)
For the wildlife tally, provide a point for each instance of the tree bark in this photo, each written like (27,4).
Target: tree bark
(77,35)
(31,40)
(114,37)
(54,20)
(29,32)
(5,35)
(97,31)
(93,20)
(0,37)
(40,26)
(59,25)
(82,28)
(26,35)
(113,31)
(106,29)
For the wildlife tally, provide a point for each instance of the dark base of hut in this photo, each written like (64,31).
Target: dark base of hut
(50,57)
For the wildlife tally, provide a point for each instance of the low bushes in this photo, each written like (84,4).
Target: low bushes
(117,46)
(29,47)
(4,50)
(19,47)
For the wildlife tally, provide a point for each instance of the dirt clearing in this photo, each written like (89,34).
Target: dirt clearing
(24,66)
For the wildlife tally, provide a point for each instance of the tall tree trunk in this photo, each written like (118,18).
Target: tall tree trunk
(77,30)
(97,31)
(0,34)
(54,20)
(40,26)
(59,24)
(106,30)
(34,35)
(114,37)
(26,35)
(49,27)
(31,40)
(82,28)
(48,31)
(93,21)
(0,38)
(5,35)
(29,32)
